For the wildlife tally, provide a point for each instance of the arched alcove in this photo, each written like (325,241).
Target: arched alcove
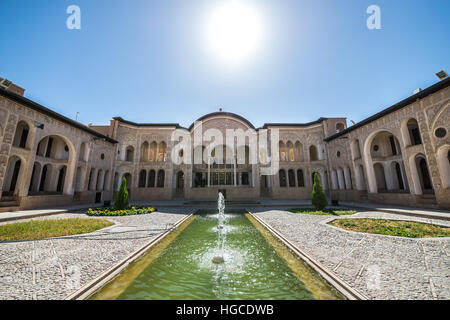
(21,135)
(282,178)
(313,155)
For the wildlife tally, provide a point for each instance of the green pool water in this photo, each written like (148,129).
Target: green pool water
(257,266)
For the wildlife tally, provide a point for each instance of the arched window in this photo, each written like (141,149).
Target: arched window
(12,175)
(282,151)
(341,179)
(151,179)
(282,176)
(162,152)
(356,150)
(398,180)
(245,179)
(99,183)
(313,153)
(34,182)
(340,126)
(180,181)
(300,178)
(161,177)
(298,152)
(129,156)
(348,178)
(61,179)
(414,132)
(361,180)
(142,178)
(334,180)
(443,158)
(145,152)
(91,178)
(106,181)
(153,147)
(53,147)
(116,182)
(291,176)
(21,135)
(83,152)
(291,151)
(46,172)
(380,177)
(424,174)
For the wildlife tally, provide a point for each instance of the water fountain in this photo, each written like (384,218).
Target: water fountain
(220,234)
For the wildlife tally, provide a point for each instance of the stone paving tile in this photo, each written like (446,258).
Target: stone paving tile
(46,269)
(380,267)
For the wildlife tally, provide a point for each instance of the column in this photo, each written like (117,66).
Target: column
(341,179)
(209,172)
(234,172)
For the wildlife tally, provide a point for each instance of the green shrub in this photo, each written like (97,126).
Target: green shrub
(122,202)
(319,200)
(111,212)
(326,212)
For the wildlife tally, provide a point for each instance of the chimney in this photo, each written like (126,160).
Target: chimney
(8,85)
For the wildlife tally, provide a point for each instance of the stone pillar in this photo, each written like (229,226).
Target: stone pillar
(370,172)
(323,178)
(209,172)
(26,171)
(341,179)
(334,181)
(93,184)
(234,172)
(404,178)
(416,187)
(348,179)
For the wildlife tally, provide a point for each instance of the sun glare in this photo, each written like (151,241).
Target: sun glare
(234,31)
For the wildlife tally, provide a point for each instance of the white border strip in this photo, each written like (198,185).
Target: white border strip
(329,276)
(97,283)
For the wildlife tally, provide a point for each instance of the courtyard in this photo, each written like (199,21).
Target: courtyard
(376,266)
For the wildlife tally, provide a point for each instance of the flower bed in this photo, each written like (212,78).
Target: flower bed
(50,228)
(408,229)
(99,212)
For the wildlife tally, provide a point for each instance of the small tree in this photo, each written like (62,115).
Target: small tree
(319,200)
(122,200)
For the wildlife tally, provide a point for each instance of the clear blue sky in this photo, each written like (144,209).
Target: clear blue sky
(147,61)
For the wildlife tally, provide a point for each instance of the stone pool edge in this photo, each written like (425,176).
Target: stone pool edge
(339,284)
(100,281)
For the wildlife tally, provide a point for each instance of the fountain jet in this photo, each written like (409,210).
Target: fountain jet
(221,236)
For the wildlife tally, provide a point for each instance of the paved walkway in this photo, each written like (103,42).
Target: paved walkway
(50,269)
(27,214)
(379,267)
(426,213)
(420,212)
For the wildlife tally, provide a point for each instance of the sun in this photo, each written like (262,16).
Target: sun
(234,31)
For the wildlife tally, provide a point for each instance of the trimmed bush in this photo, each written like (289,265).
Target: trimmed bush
(99,212)
(324,212)
(319,200)
(122,202)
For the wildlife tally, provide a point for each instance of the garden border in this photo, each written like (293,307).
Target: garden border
(98,282)
(326,223)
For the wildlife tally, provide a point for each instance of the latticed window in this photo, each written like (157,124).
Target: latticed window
(282,176)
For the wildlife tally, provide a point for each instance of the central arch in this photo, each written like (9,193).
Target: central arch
(381,147)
